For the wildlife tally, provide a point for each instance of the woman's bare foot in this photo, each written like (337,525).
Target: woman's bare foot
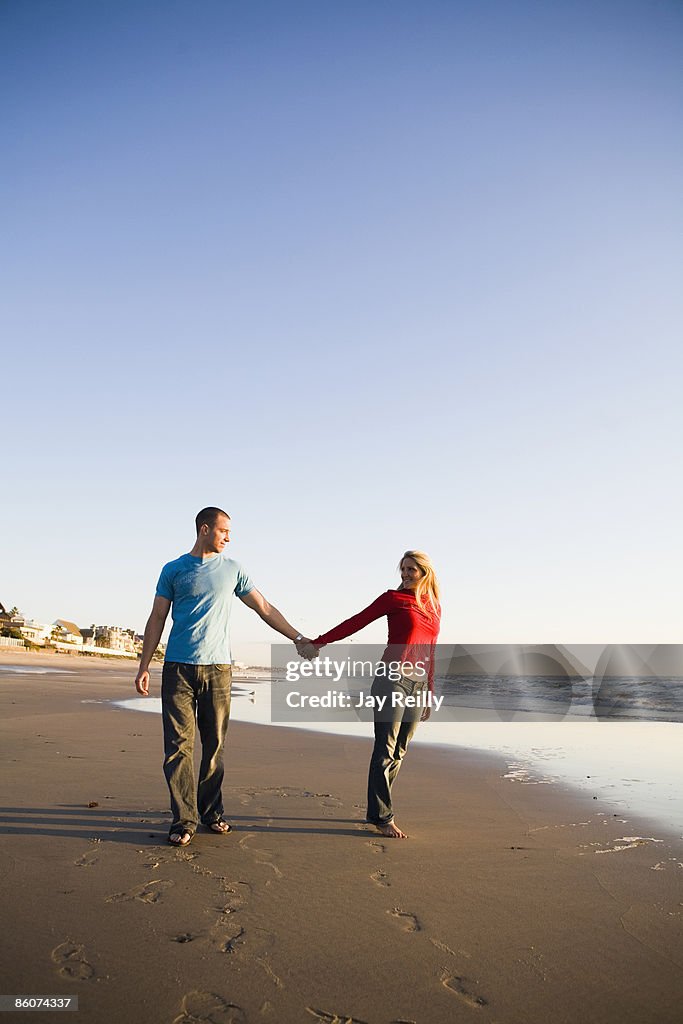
(391,831)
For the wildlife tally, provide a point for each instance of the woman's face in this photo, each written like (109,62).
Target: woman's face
(411,573)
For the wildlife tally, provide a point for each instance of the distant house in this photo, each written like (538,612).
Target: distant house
(9,632)
(113,638)
(36,632)
(66,632)
(7,620)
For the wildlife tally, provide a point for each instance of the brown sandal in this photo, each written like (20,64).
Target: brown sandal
(183,838)
(220,827)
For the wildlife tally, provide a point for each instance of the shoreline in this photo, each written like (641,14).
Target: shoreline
(512,765)
(499,904)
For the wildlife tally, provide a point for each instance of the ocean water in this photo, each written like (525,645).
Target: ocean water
(627,698)
(631,766)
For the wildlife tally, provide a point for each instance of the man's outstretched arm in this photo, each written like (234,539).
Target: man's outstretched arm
(276,620)
(150,642)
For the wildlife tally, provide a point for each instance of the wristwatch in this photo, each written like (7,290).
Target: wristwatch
(297,638)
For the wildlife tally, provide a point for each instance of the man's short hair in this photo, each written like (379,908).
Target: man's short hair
(209,516)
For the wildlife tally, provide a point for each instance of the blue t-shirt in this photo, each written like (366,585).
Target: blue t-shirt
(201,594)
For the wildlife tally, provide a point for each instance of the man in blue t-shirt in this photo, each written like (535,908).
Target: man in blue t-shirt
(198,589)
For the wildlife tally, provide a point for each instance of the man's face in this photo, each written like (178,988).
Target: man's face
(219,534)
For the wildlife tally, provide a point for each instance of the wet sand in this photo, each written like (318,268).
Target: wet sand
(510,904)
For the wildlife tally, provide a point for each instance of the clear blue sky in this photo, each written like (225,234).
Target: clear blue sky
(370,276)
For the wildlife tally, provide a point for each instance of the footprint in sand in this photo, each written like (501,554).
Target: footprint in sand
(70,959)
(377,847)
(207,1006)
(230,943)
(380,878)
(238,893)
(86,860)
(328,802)
(150,892)
(459,987)
(227,934)
(409,921)
(333,1018)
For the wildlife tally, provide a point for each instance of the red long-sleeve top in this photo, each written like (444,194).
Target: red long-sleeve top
(412,631)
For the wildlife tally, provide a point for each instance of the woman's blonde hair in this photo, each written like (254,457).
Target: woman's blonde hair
(427,592)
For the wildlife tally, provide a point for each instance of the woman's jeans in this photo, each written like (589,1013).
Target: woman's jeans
(190,692)
(392,737)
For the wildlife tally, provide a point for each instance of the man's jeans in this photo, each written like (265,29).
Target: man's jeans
(189,692)
(392,737)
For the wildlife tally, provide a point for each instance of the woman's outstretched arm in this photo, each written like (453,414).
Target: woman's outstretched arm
(373,611)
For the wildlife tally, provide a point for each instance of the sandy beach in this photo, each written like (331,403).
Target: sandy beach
(507,904)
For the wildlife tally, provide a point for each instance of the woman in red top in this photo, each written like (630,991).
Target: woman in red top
(414,615)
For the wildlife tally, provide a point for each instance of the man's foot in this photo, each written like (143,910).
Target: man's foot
(180,838)
(391,831)
(221,827)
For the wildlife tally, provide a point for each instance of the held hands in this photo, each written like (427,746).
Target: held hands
(306,649)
